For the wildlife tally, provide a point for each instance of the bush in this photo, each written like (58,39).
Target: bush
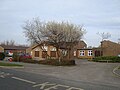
(18,57)
(29,61)
(107,59)
(15,57)
(22,59)
(57,62)
(2,56)
(119,67)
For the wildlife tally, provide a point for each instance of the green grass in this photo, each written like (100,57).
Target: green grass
(9,64)
(119,67)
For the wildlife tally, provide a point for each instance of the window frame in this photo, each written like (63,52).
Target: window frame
(37,53)
(82,52)
(90,52)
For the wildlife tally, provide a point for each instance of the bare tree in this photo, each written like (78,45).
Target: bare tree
(57,34)
(64,35)
(104,35)
(8,43)
(118,40)
(34,32)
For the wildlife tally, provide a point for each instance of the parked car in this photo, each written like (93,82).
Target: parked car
(10,59)
(25,56)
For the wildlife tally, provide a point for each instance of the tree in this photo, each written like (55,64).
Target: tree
(34,30)
(63,34)
(119,40)
(57,34)
(8,43)
(104,35)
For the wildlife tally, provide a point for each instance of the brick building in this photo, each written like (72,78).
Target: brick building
(11,49)
(1,49)
(85,53)
(38,54)
(110,48)
(107,48)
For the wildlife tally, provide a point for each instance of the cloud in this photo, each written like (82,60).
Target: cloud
(95,15)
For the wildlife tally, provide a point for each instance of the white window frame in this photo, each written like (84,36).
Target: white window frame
(90,53)
(82,52)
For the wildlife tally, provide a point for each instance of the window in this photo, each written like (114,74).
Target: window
(89,52)
(82,53)
(36,53)
(44,54)
(53,53)
(98,53)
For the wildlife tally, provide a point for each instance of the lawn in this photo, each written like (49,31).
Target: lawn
(9,64)
(119,67)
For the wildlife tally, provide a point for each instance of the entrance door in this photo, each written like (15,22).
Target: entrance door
(44,54)
(98,53)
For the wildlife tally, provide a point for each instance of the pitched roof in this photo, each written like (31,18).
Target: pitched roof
(80,45)
(108,41)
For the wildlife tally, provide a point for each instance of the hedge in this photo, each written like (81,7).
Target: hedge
(29,61)
(50,62)
(57,62)
(15,57)
(19,58)
(54,62)
(107,59)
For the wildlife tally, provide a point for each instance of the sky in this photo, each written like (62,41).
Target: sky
(94,15)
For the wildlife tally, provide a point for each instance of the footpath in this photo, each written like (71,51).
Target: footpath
(116,71)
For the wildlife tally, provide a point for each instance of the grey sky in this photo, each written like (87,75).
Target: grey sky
(94,15)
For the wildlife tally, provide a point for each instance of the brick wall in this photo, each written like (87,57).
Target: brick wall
(110,48)
(1,49)
(85,52)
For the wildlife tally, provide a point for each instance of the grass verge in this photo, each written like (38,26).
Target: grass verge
(10,64)
(119,67)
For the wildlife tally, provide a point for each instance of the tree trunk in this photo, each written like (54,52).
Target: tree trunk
(70,53)
(58,54)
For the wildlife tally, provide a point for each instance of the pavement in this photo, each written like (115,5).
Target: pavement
(116,71)
(95,72)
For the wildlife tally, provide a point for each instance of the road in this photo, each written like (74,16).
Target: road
(11,79)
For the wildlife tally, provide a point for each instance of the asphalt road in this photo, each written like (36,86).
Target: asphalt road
(11,79)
